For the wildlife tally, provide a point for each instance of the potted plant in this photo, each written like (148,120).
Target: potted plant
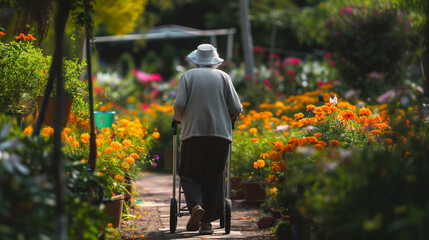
(23,69)
(24,73)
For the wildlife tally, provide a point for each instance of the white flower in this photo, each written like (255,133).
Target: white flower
(334,100)
(281,128)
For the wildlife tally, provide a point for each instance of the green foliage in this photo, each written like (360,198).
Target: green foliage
(372,46)
(27,190)
(283,230)
(372,42)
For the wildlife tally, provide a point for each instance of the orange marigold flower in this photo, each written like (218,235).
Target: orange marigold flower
(275,167)
(119,178)
(322,143)
(375,132)
(259,164)
(47,131)
(126,143)
(2,33)
(108,150)
(125,165)
(382,126)
(120,155)
(271,178)
(273,191)
(242,126)
(317,134)
(347,115)
(310,140)
(134,155)
(254,139)
(264,155)
(28,130)
(253,130)
(116,145)
(289,148)
(21,36)
(334,143)
(365,111)
(298,115)
(275,156)
(155,135)
(388,140)
(30,37)
(129,160)
(371,139)
(285,118)
(318,146)
(84,137)
(277,145)
(310,107)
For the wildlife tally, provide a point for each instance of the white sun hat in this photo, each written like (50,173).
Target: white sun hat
(205,55)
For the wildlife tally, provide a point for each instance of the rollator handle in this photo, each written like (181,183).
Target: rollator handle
(174,126)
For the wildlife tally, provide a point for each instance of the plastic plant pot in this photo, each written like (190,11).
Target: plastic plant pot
(104,119)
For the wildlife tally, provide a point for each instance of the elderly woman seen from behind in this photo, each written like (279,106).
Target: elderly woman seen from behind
(206,105)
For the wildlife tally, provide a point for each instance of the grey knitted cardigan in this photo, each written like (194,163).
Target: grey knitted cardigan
(206,103)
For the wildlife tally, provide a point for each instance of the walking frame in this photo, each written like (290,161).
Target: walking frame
(177,211)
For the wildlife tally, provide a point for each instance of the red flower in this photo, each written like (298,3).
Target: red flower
(332,63)
(1,33)
(290,72)
(328,55)
(258,49)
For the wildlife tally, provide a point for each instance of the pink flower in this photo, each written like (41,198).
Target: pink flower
(146,77)
(291,60)
(266,82)
(273,56)
(332,63)
(329,23)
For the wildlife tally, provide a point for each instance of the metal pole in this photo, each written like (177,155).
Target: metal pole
(92,143)
(246,37)
(174,125)
(229,45)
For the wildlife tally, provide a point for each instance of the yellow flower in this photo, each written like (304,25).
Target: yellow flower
(155,135)
(253,130)
(274,191)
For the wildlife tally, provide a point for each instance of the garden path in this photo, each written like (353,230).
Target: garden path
(155,189)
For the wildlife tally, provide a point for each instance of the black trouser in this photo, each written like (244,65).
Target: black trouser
(201,174)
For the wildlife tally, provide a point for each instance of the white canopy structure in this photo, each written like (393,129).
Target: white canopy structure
(173,32)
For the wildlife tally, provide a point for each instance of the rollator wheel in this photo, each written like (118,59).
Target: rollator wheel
(173,215)
(227,216)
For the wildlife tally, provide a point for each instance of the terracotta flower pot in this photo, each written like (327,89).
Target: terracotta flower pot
(113,209)
(51,111)
(253,192)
